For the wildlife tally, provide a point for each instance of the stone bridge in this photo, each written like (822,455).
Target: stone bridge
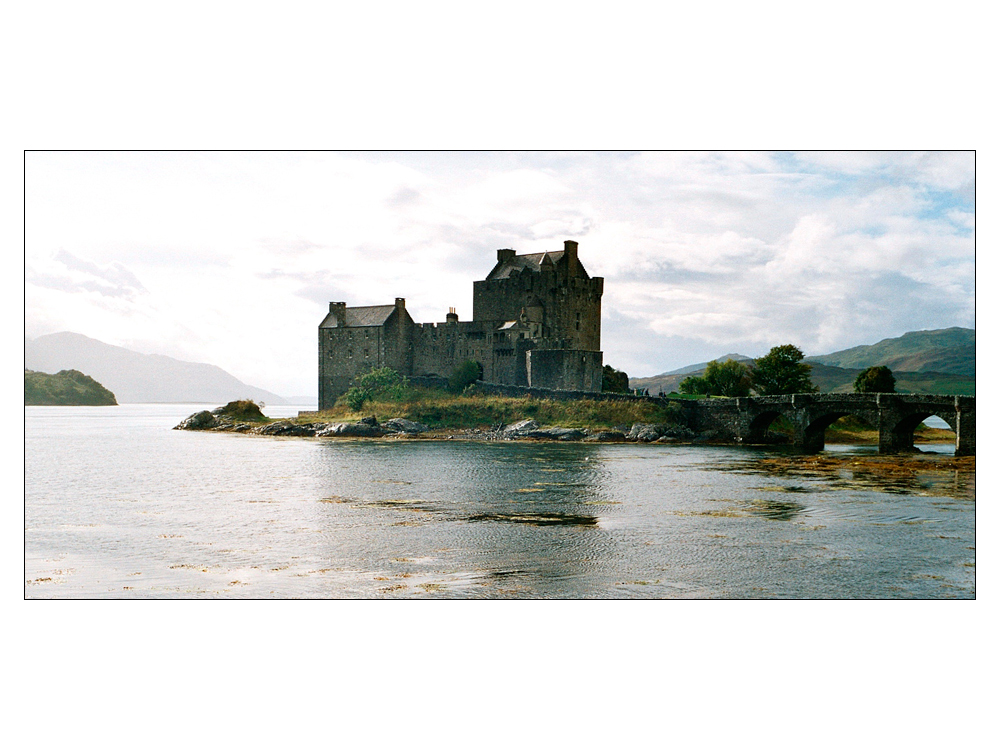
(894,415)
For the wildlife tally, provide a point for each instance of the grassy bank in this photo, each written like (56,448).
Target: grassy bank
(440,410)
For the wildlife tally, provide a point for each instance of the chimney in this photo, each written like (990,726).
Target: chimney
(505,255)
(452,316)
(340,310)
(572,261)
(400,303)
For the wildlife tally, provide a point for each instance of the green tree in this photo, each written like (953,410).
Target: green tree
(694,385)
(614,381)
(729,378)
(782,371)
(877,379)
(464,375)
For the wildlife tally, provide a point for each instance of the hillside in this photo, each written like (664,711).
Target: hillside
(941,361)
(667,382)
(139,378)
(841,380)
(65,388)
(947,350)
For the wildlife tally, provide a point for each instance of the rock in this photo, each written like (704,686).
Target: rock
(405,425)
(518,429)
(370,421)
(677,432)
(350,429)
(285,428)
(556,433)
(606,436)
(666,439)
(643,433)
(202,420)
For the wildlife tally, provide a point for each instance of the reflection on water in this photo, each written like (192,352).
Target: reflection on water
(120,505)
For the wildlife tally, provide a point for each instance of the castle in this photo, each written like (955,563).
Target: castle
(536,321)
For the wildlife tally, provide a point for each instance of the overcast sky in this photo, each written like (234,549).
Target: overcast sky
(232,258)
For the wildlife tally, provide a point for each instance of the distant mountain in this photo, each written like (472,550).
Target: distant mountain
(947,350)
(841,380)
(941,362)
(139,378)
(65,388)
(666,382)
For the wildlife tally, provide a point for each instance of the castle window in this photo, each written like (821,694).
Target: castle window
(366,352)
(578,325)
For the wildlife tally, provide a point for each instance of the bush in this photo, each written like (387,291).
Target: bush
(464,375)
(614,381)
(382,384)
(244,410)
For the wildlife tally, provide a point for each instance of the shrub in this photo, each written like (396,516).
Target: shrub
(244,410)
(614,381)
(381,384)
(464,375)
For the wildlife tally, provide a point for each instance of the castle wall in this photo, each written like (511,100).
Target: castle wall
(564,369)
(345,353)
(570,305)
(536,321)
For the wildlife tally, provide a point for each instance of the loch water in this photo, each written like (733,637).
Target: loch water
(119,505)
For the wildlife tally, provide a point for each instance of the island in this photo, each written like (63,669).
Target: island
(65,388)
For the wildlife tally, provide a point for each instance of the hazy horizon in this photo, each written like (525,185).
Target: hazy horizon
(232,258)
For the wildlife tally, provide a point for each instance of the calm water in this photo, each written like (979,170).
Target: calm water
(117,504)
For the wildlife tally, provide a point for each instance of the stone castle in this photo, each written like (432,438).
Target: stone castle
(536,321)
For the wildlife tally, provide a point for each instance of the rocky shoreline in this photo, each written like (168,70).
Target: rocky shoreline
(235,418)
(369,427)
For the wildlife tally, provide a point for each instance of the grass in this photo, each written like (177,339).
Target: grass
(440,410)
(243,411)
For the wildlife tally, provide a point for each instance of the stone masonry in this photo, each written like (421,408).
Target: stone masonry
(536,322)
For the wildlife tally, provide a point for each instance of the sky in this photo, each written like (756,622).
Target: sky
(231,258)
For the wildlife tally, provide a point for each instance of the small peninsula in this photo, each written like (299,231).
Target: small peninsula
(65,388)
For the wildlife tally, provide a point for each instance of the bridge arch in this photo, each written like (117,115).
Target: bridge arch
(760,424)
(813,438)
(899,436)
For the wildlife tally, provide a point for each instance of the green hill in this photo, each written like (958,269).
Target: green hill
(65,388)
(841,380)
(947,350)
(939,362)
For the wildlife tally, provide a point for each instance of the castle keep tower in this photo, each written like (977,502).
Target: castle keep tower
(536,321)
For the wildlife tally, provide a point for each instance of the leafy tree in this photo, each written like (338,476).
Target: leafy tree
(875,380)
(729,378)
(694,385)
(782,371)
(464,375)
(614,381)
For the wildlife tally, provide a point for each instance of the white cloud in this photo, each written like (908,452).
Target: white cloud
(231,258)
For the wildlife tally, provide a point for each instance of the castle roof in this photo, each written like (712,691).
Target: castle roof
(530,262)
(361,317)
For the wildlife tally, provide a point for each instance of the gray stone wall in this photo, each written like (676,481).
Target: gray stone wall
(564,369)
(554,307)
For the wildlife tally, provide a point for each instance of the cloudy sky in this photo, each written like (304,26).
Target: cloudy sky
(232,258)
